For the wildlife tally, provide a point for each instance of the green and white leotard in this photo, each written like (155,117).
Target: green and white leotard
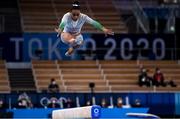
(74,27)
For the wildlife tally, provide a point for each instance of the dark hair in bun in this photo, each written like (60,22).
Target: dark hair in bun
(76,5)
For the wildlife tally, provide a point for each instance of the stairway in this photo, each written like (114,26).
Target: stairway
(11,19)
(21,80)
(77,75)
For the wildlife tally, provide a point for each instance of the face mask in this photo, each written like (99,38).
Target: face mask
(53,82)
(103,103)
(144,70)
(24,102)
(88,103)
(137,103)
(119,101)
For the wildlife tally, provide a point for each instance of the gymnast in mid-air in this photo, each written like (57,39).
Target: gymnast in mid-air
(70,26)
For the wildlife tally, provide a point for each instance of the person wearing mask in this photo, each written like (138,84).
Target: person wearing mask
(119,102)
(24,101)
(158,78)
(144,79)
(104,103)
(137,103)
(53,86)
(53,103)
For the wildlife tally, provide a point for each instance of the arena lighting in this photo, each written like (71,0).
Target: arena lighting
(90,112)
(172,29)
(171,1)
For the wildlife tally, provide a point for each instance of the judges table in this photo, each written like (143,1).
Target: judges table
(46,113)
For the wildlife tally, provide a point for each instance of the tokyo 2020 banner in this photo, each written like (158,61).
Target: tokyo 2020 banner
(47,46)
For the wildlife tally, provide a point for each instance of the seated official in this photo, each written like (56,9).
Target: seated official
(53,86)
(144,79)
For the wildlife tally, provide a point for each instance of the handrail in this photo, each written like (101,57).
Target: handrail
(21,15)
(2,22)
(141,17)
(89,8)
(171,20)
(54,9)
(1,52)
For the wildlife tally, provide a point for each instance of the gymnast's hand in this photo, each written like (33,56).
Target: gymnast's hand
(108,31)
(58,30)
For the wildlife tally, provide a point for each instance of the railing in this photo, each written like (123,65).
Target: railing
(89,8)
(170,26)
(20,14)
(141,17)
(54,9)
(1,53)
(174,12)
(42,99)
(2,22)
(132,24)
